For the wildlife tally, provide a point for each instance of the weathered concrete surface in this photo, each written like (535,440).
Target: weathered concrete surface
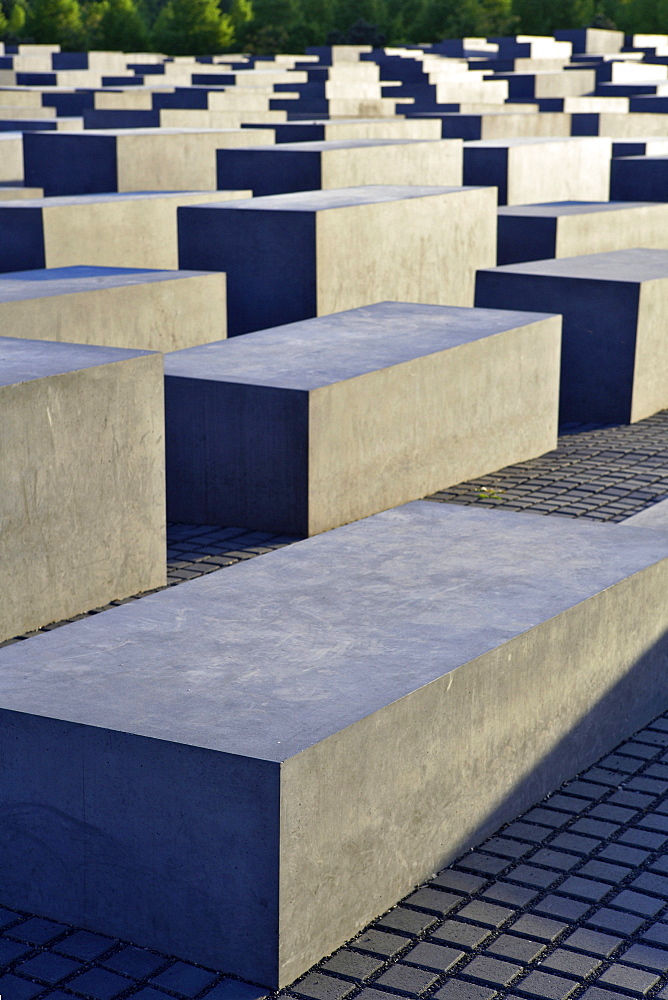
(159,159)
(320,252)
(537,170)
(236,770)
(103,230)
(82,468)
(655,517)
(11,156)
(325,130)
(311,425)
(614,363)
(571,229)
(310,166)
(115,307)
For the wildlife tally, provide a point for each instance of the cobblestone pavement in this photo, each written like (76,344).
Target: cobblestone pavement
(568,901)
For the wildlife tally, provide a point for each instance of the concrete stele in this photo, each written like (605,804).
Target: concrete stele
(311,425)
(320,252)
(614,351)
(82,468)
(236,770)
(115,307)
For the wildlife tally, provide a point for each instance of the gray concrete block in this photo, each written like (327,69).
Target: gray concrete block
(152,159)
(115,307)
(320,252)
(104,230)
(326,130)
(537,170)
(213,771)
(571,229)
(618,125)
(614,364)
(82,467)
(309,166)
(11,156)
(311,425)
(655,517)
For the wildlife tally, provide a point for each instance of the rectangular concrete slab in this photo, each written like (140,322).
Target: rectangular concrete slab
(82,467)
(308,166)
(325,130)
(11,156)
(115,307)
(614,364)
(104,230)
(245,769)
(537,170)
(153,159)
(320,252)
(311,425)
(574,228)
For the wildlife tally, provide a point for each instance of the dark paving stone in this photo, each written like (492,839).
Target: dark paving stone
(561,908)
(457,989)
(407,978)
(615,920)
(317,986)
(538,927)
(520,949)
(634,980)
(410,921)
(433,956)
(380,943)
(492,971)
(232,989)
(545,986)
(571,963)
(48,968)
(457,933)
(487,914)
(592,942)
(462,882)
(38,931)
(135,962)
(648,958)
(18,989)
(99,984)
(186,980)
(434,900)
(85,946)
(352,965)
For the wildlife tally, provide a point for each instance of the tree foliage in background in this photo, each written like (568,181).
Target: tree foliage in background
(57,21)
(199,27)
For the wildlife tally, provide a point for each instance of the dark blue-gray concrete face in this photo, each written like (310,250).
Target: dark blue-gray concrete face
(21,237)
(236,454)
(634,177)
(70,164)
(269,258)
(529,232)
(485,165)
(598,296)
(261,169)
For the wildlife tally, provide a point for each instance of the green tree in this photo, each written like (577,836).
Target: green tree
(543,17)
(3,23)
(458,18)
(192,28)
(640,16)
(121,28)
(56,22)
(16,20)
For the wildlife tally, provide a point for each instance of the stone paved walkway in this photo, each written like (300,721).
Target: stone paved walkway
(568,901)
